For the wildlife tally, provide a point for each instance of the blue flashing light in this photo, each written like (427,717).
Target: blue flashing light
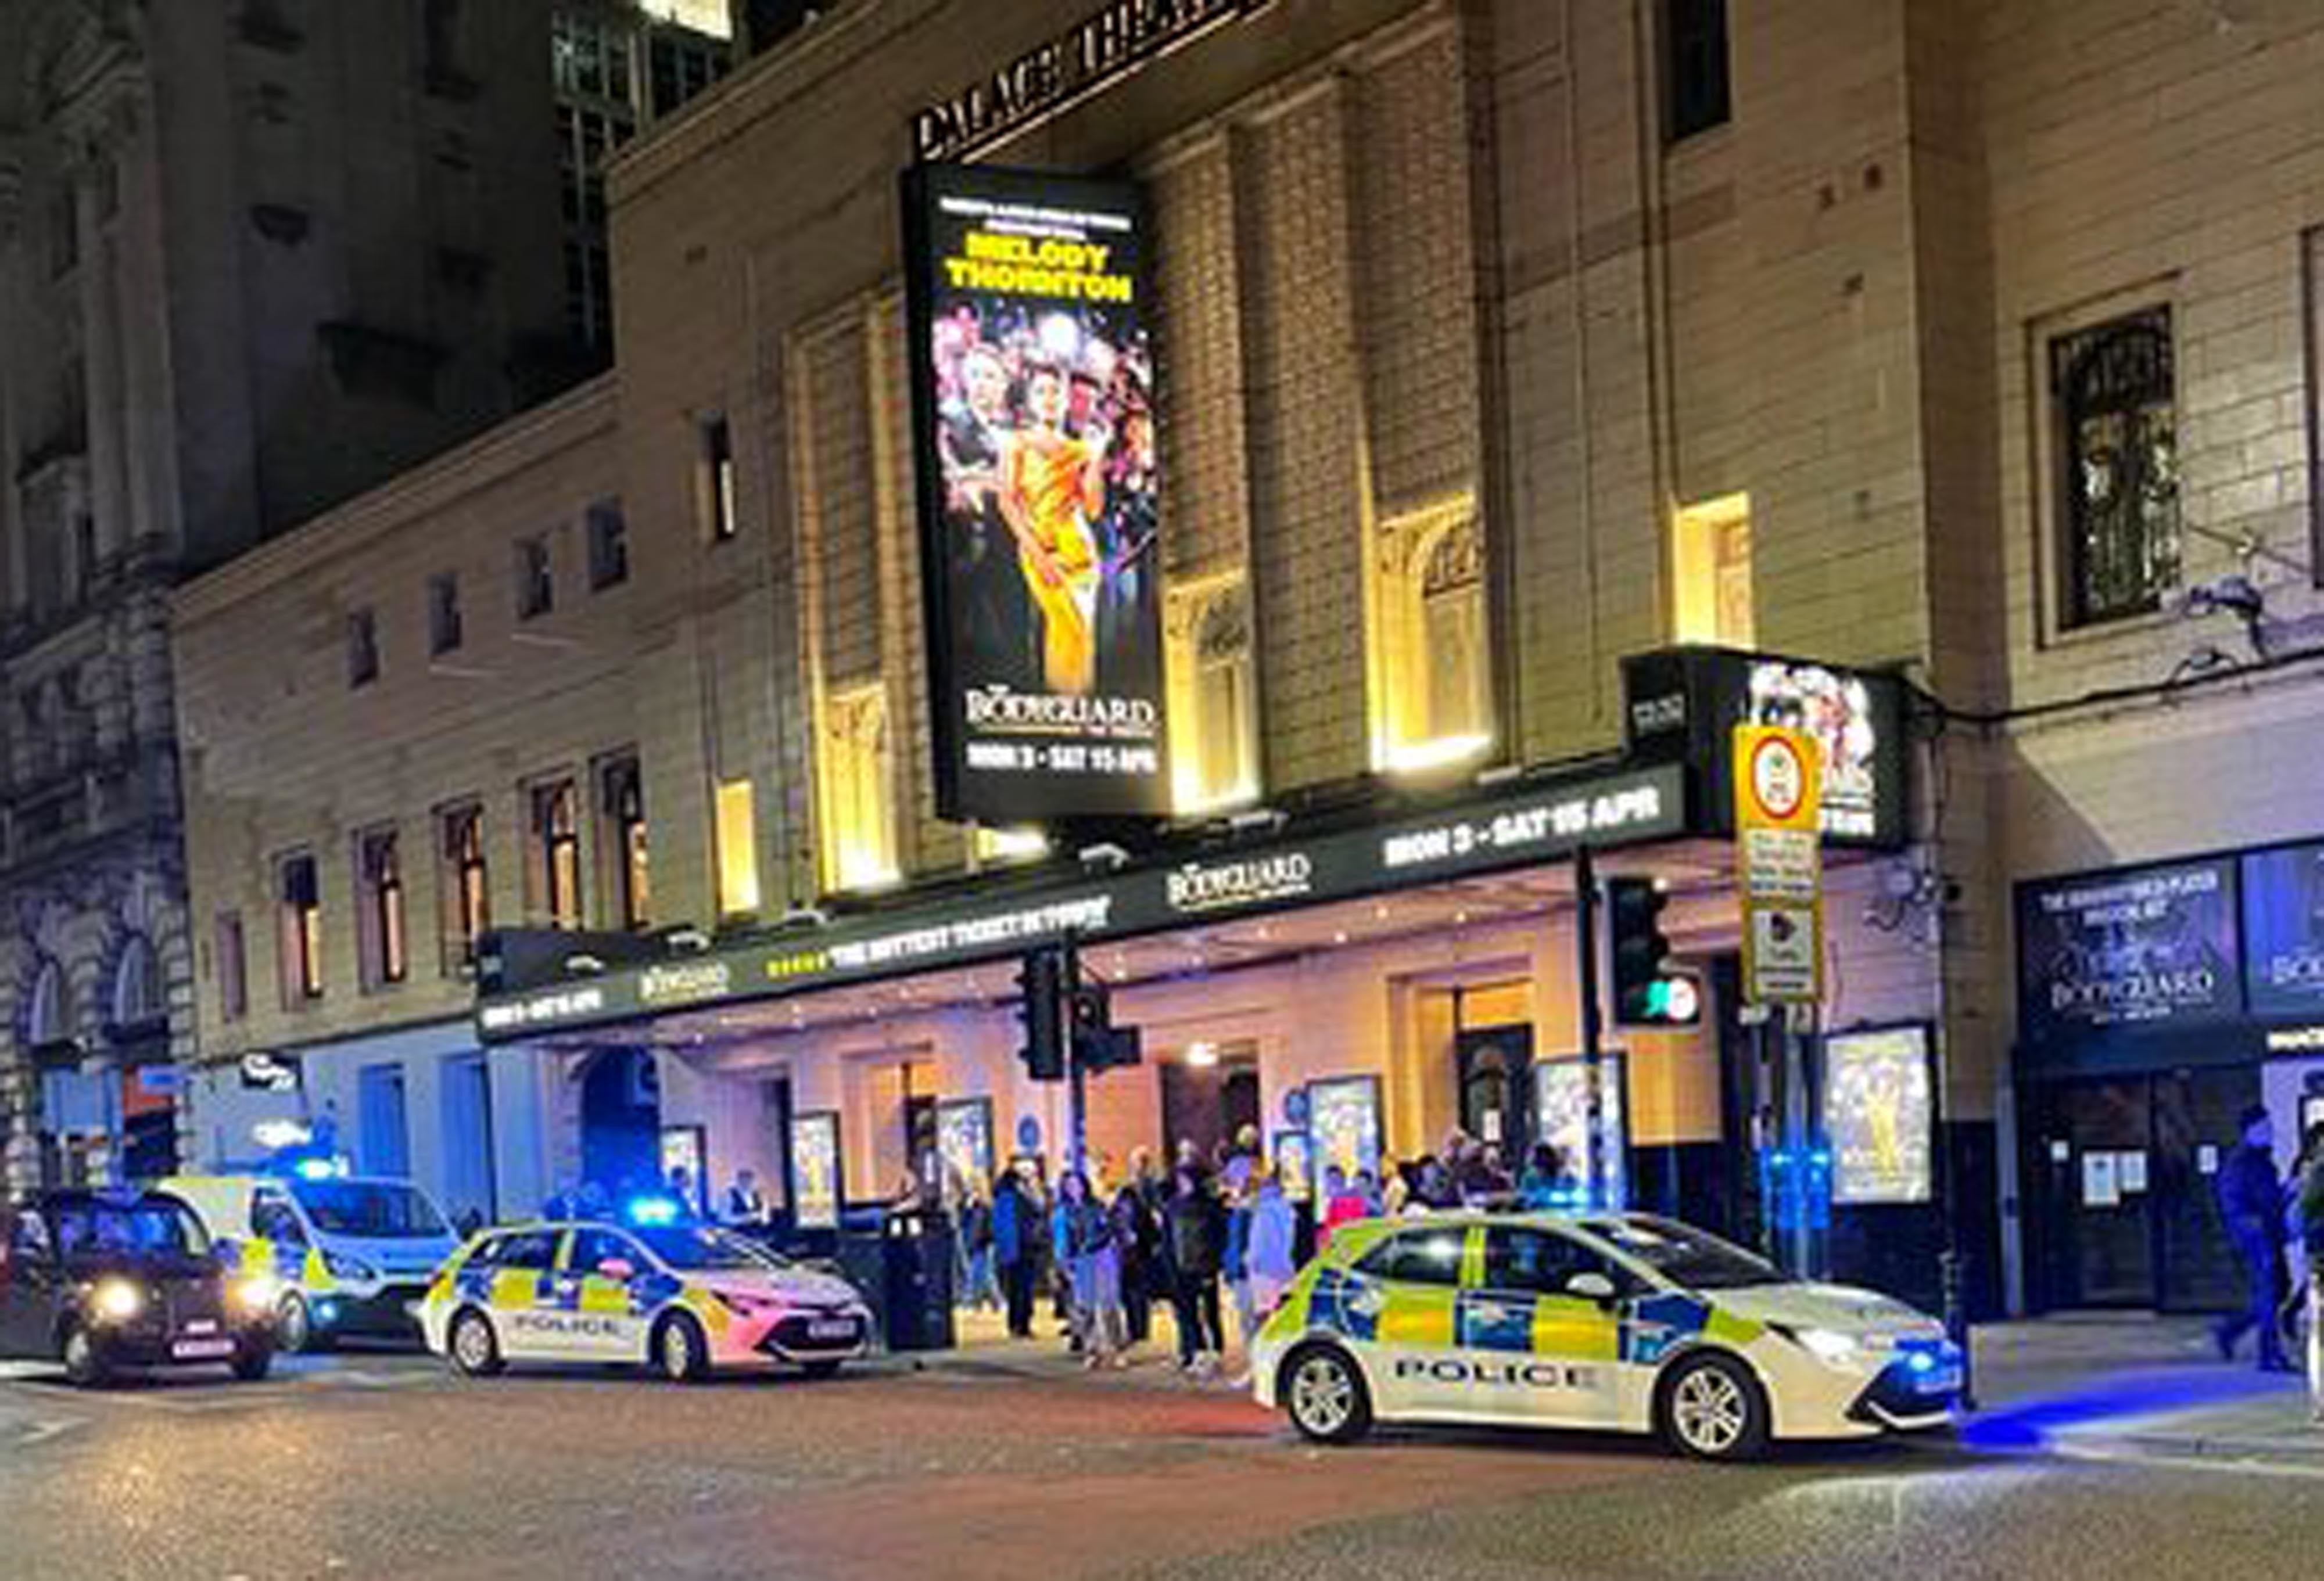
(316,1169)
(1821,1159)
(326,1312)
(651,1210)
(1920,1361)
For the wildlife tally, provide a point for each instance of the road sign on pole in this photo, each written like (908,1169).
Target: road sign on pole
(1779,863)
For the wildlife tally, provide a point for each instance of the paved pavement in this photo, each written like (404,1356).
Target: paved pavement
(1005,1461)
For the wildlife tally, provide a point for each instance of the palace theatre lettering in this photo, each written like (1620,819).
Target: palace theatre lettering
(1122,36)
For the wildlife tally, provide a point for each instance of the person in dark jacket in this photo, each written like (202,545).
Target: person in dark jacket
(1017,1235)
(1136,1231)
(1198,1236)
(2310,1183)
(2252,1201)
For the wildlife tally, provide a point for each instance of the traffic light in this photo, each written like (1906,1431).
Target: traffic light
(1042,982)
(1098,1043)
(1647,991)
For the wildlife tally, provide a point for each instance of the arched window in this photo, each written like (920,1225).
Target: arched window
(137,999)
(2114,385)
(1453,633)
(44,1007)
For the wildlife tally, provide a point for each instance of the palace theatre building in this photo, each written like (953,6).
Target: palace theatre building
(1256,488)
(1300,744)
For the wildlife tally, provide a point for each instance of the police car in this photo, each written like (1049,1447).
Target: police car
(1617,1322)
(682,1298)
(353,1255)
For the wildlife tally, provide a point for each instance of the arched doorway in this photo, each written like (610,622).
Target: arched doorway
(621,1120)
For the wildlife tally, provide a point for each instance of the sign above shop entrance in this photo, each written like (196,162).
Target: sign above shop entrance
(1515,829)
(2151,948)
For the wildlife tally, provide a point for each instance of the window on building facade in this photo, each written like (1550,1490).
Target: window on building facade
(44,1007)
(678,68)
(628,884)
(1011,845)
(1432,704)
(554,870)
(379,874)
(536,578)
(714,478)
(299,901)
(363,646)
(859,824)
(1711,572)
(1696,88)
(138,1001)
(64,230)
(738,848)
(464,885)
(445,632)
(1214,735)
(2113,385)
(233,965)
(609,545)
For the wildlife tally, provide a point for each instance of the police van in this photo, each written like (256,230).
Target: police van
(683,1298)
(1615,1322)
(353,1255)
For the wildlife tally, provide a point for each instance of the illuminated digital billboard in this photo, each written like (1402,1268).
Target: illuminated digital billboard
(1040,485)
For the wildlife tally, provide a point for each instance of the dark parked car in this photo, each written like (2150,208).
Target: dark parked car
(103,1280)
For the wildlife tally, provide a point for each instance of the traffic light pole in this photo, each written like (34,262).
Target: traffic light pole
(1076,1076)
(1593,1029)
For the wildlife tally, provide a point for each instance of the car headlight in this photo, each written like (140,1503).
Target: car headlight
(116,1300)
(354,1268)
(256,1295)
(1827,1345)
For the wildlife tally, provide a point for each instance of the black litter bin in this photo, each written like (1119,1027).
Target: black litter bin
(917,1280)
(862,1260)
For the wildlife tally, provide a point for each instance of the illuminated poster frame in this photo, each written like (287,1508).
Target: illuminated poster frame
(1295,1166)
(1881,1160)
(1344,1125)
(965,1143)
(1561,1116)
(687,1146)
(818,1175)
(1040,480)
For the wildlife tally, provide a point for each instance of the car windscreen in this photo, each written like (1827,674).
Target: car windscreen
(166,1230)
(1686,1256)
(377,1210)
(693,1248)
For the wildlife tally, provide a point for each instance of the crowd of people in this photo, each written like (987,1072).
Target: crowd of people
(1204,1237)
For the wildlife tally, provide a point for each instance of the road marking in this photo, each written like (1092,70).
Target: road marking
(2239,1465)
(40,1433)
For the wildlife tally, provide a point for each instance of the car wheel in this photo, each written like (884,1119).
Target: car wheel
(474,1348)
(1713,1409)
(824,1369)
(1324,1395)
(679,1350)
(84,1364)
(294,1325)
(254,1360)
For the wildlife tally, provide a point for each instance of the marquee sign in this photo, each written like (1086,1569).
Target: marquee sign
(1538,824)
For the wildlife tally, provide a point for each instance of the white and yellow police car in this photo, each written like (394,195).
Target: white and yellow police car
(682,1298)
(1617,1322)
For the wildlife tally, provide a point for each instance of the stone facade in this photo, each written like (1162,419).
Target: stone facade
(253,258)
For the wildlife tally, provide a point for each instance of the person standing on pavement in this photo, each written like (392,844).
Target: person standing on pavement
(1343,1204)
(1271,1259)
(1135,1232)
(2312,1241)
(1197,1237)
(1016,1241)
(1092,1265)
(744,1206)
(1235,1261)
(2252,1200)
(979,1291)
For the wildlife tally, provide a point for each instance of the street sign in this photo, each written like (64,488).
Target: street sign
(1779,863)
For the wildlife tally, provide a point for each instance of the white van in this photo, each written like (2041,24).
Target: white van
(353,1255)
